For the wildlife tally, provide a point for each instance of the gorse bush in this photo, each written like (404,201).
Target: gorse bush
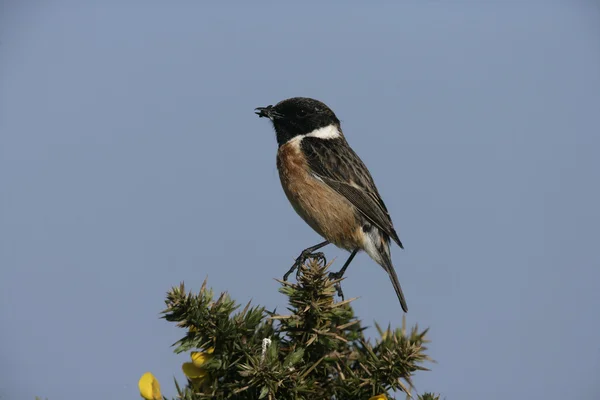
(316,351)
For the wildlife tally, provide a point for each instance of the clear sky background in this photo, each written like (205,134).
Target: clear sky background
(131,160)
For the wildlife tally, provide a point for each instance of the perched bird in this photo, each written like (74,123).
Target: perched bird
(329,186)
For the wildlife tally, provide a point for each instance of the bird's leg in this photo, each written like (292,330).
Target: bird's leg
(340,273)
(307,253)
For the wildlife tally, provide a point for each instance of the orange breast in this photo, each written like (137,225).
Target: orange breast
(327,212)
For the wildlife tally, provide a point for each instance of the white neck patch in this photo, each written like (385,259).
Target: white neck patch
(326,132)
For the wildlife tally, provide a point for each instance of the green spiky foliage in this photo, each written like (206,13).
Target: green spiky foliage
(316,351)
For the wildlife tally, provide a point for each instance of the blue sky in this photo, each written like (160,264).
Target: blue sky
(131,160)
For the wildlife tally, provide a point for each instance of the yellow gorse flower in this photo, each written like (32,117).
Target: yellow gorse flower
(193,372)
(379,397)
(149,387)
(199,358)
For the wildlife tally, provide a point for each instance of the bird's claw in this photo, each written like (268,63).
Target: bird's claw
(319,256)
(337,286)
(305,255)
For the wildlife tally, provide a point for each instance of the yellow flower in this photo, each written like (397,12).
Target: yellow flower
(195,374)
(149,387)
(199,358)
(379,397)
(193,370)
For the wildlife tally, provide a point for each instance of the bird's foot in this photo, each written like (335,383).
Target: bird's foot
(333,276)
(305,255)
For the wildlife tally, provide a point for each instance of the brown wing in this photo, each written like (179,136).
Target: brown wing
(337,165)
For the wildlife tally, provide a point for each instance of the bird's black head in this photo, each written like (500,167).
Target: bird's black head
(298,116)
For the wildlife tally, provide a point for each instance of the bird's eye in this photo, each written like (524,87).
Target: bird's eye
(301,113)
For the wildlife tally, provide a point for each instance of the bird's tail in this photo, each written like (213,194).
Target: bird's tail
(389,268)
(377,245)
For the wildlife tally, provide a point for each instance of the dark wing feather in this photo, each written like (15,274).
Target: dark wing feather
(338,166)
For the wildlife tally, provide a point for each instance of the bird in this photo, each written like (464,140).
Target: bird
(329,186)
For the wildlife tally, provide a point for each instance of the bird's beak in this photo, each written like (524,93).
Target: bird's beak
(267,112)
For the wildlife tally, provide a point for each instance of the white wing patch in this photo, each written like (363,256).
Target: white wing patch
(317,177)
